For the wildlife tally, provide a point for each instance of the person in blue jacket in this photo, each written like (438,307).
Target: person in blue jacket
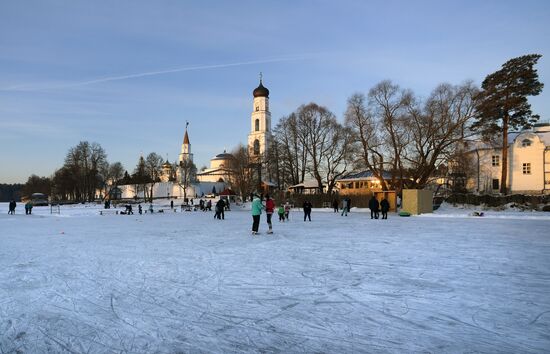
(257,207)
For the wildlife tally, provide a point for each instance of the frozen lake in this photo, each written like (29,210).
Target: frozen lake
(184,282)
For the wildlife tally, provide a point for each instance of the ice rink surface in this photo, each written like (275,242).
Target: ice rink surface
(79,282)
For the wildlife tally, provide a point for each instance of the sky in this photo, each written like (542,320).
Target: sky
(130,74)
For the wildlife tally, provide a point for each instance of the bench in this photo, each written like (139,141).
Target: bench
(108,212)
(161,210)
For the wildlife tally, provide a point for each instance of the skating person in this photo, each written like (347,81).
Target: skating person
(13,204)
(335,205)
(28,208)
(257,207)
(151,208)
(374,207)
(171,204)
(130,211)
(281,212)
(287,211)
(345,207)
(140,209)
(384,207)
(307,210)
(220,206)
(208,206)
(269,209)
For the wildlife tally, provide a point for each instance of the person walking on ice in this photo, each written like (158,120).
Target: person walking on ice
(345,207)
(374,207)
(307,210)
(384,207)
(269,209)
(220,207)
(287,211)
(281,212)
(257,207)
(13,204)
(28,208)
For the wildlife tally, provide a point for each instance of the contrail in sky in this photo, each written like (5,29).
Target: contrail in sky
(32,87)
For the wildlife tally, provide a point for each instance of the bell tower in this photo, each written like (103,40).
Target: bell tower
(260,122)
(185,153)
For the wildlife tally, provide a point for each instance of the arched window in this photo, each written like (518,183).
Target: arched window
(526,142)
(256,147)
(257,124)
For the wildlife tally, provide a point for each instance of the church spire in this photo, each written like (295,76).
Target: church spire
(185,153)
(186,137)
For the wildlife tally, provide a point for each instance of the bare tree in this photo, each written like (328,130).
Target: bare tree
(187,175)
(437,129)
(388,102)
(366,135)
(291,151)
(241,176)
(85,161)
(153,168)
(338,156)
(111,174)
(315,124)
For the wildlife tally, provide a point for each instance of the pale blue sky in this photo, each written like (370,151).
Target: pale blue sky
(72,70)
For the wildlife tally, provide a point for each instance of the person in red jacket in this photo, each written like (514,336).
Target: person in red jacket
(269,209)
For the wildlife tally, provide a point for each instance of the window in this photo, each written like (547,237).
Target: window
(495,183)
(527,168)
(257,124)
(526,142)
(257,108)
(496,160)
(256,147)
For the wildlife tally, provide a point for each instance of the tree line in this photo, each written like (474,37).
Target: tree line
(87,175)
(402,138)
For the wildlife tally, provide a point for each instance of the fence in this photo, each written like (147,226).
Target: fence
(495,201)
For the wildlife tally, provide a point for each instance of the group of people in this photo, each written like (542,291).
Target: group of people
(257,206)
(346,205)
(13,205)
(219,209)
(377,207)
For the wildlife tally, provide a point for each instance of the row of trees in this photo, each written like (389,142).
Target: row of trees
(389,130)
(87,171)
(394,131)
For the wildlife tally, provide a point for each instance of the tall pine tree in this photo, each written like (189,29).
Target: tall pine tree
(503,104)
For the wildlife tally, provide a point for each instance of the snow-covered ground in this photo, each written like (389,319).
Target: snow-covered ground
(79,282)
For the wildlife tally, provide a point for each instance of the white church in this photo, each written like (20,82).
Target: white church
(217,177)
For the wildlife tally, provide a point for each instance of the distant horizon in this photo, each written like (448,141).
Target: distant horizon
(128,75)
